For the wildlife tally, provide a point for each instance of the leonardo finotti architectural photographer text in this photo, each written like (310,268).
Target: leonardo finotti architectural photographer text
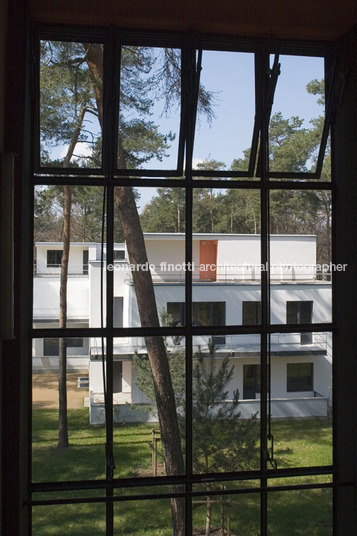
(164,266)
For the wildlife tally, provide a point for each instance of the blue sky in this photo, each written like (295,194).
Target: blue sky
(230,76)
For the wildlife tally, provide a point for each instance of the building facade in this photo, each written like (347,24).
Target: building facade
(226,288)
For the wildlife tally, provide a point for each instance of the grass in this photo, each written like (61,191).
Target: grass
(293,513)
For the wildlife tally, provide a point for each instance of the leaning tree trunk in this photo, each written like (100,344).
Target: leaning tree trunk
(133,235)
(164,393)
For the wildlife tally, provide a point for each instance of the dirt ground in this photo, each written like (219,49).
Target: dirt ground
(45,391)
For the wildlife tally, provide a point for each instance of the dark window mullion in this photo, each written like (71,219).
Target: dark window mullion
(109,144)
(190,83)
(35,105)
(262,74)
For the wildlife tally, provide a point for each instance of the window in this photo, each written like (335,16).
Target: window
(251,381)
(251,313)
(176,310)
(119,254)
(118,312)
(51,346)
(300,377)
(139,151)
(300,312)
(117,376)
(74,342)
(209,313)
(203,313)
(85,261)
(54,258)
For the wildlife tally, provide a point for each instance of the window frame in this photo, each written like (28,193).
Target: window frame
(109,179)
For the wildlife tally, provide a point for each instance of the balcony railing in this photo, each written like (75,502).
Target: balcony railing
(166,272)
(233,345)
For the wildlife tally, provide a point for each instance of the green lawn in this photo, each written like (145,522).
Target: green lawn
(293,513)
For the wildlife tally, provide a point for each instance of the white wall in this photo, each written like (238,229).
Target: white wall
(322,375)
(96,377)
(46,297)
(234,295)
(122,288)
(166,251)
(77,357)
(293,257)
(75,263)
(318,292)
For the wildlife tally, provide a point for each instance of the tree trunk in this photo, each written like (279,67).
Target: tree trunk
(62,380)
(208,515)
(178,218)
(62,360)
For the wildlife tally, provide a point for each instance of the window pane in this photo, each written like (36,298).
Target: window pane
(305,512)
(85,456)
(71,101)
(160,264)
(296,122)
(149,517)
(300,257)
(226,513)
(301,399)
(225,143)
(226,251)
(150,100)
(225,426)
(69,519)
(83,277)
(138,451)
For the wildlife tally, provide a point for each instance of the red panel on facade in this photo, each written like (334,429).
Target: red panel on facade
(208,259)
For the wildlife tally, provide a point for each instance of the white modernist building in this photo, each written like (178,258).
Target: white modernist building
(226,273)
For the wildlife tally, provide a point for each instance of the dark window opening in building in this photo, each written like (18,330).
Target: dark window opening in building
(51,346)
(251,312)
(118,312)
(251,381)
(117,377)
(203,314)
(54,258)
(300,312)
(300,377)
(85,262)
(119,254)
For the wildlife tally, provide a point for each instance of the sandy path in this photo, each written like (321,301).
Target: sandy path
(45,391)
